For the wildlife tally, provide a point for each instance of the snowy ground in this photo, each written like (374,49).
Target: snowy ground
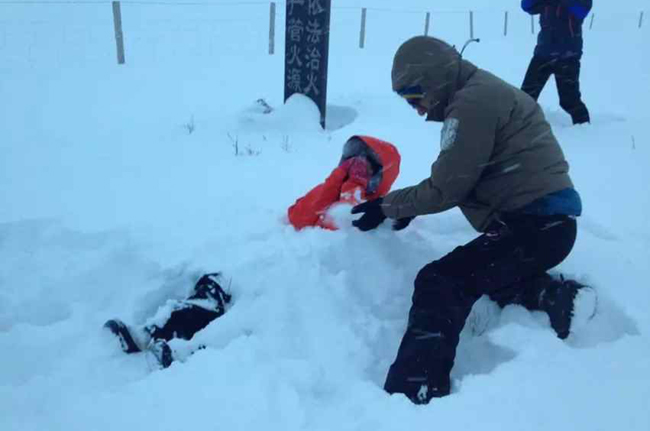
(109,207)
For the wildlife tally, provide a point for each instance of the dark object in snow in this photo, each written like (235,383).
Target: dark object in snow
(121,331)
(162,352)
(266,108)
(558,301)
(207,302)
(558,52)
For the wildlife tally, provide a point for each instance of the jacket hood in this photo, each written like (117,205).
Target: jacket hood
(384,159)
(436,67)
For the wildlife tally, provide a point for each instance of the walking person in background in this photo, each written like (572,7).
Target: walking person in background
(558,52)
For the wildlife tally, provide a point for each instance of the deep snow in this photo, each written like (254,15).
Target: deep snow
(109,207)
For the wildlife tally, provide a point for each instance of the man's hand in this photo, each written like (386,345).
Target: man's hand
(372,217)
(402,223)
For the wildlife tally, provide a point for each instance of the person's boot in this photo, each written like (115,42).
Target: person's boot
(416,389)
(208,287)
(162,352)
(569,305)
(158,348)
(581,116)
(123,334)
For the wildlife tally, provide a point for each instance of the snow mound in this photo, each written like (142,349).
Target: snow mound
(298,115)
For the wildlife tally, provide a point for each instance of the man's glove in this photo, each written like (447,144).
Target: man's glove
(402,223)
(372,217)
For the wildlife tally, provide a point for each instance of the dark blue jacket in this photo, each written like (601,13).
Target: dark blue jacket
(561,26)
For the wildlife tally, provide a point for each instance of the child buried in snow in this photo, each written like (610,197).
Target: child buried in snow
(206,302)
(367,170)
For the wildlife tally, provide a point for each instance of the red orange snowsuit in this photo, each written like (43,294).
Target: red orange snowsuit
(367,170)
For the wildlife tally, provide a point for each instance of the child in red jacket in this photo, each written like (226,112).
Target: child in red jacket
(367,170)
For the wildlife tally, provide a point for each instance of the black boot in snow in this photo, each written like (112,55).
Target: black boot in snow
(569,305)
(162,352)
(121,331)
(207,302)
(208,287)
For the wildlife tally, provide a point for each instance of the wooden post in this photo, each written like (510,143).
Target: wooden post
(426,24)
(505,25)
(471,24)
(272,30)
(119,36)
(591,22)
(532,24)
(362,34)
(641,20)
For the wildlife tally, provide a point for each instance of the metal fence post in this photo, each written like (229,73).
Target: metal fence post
(471,24)
(591,22)
(362,34)
(119,36)
(272,30)
(505,25)
(426,24)
(532,24)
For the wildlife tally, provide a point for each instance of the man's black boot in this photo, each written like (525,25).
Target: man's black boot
(569,305)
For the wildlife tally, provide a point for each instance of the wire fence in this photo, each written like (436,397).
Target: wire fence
(501,23)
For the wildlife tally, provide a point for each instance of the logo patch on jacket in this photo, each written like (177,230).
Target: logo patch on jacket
(449,133)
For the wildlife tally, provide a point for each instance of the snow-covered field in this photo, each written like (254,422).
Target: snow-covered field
(109,207)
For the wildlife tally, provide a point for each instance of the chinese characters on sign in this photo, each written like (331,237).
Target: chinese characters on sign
(307,51)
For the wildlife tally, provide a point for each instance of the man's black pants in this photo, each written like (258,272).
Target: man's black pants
(567,79)
(508,263)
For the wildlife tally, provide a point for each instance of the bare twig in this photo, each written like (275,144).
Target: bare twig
(285,144)
(190,126)
(235,143)
(250,151)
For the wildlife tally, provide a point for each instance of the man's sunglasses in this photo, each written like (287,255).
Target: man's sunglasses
(413,95)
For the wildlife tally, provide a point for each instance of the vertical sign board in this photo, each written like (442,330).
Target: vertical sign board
(307,51)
